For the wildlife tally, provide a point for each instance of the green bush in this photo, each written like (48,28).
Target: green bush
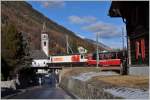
(2,77)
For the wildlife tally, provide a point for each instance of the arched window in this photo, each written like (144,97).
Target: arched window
(82,56)
(44,43)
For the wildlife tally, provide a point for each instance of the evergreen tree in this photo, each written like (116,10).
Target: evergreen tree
(5,70)
(14,48)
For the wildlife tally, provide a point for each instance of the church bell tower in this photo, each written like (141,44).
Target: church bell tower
(44,40)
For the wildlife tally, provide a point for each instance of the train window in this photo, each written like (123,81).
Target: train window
(108,55)
(94,56)
(120,55)
(44,62)
(113,56)
(35,63)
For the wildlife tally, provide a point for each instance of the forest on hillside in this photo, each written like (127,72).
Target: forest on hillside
(29,21)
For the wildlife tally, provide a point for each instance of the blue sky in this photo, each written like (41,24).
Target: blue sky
(85,19)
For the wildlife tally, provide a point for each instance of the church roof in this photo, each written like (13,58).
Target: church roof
(38,54)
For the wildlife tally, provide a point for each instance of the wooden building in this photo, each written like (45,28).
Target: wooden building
(135,14)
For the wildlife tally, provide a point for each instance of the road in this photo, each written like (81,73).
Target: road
(47,90)
(43,92)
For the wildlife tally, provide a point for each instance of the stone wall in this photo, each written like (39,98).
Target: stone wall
(9,84)
(84,90)
(144,70)
(81,88)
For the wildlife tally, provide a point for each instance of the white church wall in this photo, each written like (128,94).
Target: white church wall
(39,62)
(42,71)
(44,43)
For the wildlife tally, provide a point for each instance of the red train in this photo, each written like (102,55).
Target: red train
(106,59)
(111,60)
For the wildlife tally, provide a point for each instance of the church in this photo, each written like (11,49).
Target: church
(40,57)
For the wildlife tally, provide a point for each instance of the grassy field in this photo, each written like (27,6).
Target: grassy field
(125,81)
(141,82)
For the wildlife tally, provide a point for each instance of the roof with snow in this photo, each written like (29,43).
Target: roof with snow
(38,54)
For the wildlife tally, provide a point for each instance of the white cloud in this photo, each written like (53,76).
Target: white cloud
(82,20)
(80,36)
(91,24)
(106,30)
(52,4)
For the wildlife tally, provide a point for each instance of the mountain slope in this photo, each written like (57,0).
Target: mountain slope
(99,43)
(29,21)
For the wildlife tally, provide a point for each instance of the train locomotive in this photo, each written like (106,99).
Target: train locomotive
(68,60)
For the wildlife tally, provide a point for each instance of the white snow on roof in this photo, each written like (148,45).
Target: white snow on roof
(89,75)
(128,93)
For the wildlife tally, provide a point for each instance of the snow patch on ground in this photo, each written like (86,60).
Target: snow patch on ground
(89,75)
(128,93)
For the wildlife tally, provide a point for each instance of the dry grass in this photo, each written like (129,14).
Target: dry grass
(127,81)
(77,70)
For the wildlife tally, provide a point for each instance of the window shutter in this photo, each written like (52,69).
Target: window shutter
(143,49)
